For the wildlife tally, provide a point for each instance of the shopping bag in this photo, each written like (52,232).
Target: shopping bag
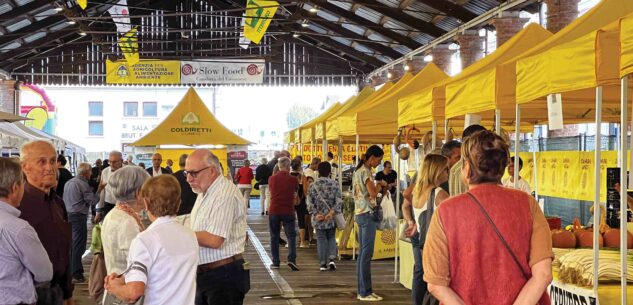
(389,218)
(339,218)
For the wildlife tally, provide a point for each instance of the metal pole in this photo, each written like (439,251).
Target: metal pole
(535,165)
(434,134)
(325,149)
(596,199)
(312,150)
(340,164)
(395,267)
(517,134)
(498,121)
(354,227)
(623,186)
(446,130)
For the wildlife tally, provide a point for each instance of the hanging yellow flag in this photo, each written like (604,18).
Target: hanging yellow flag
(129,46)
(258,16)
(83,4)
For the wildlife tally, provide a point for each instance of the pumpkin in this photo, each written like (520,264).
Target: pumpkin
(612,239)
(586,240)
(563,239)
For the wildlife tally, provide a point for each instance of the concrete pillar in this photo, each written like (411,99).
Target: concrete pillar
(442,57)
(560,13)
(508,25)
(8,96)
(471,47)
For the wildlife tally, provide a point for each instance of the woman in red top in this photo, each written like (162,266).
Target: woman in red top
(465,260)
(244,177)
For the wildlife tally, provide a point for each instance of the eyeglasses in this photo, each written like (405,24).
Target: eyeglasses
(194,174)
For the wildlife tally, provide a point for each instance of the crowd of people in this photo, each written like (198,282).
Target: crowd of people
(474,237)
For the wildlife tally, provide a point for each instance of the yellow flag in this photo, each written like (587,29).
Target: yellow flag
(129,46)
(258,17)
(82,4)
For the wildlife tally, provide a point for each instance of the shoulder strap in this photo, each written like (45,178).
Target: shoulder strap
(494,227)
(316,189)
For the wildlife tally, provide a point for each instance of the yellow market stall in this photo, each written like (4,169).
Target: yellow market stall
(191,123)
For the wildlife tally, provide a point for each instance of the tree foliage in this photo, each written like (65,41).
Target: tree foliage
(299,114)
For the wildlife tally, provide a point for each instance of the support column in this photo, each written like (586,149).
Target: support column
(560,13)
(471,47)
(442,57)
(508,25)
(9,96)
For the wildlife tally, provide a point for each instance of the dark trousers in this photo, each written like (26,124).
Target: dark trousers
(225,285)
(274,225)
(79,226)
(49,295)
(419,286)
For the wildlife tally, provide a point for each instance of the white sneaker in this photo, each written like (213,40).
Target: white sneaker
(370,298)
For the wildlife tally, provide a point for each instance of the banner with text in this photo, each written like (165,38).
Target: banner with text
(222,72)
(144,72)
(561,294)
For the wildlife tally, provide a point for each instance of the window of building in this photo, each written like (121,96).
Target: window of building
(150,109)
(95,128)
(95,108)
(273,133)
(130,109)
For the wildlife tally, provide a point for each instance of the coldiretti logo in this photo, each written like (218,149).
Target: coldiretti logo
(190,119)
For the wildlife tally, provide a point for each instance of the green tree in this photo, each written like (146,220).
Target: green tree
(299,114)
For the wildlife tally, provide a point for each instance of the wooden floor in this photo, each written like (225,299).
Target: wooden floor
(307,286)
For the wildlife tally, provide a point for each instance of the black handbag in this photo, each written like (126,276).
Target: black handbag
(376,212)
(256,186)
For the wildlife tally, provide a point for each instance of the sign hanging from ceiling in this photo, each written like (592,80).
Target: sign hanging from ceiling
(144,72)
(259,14)
(222,72)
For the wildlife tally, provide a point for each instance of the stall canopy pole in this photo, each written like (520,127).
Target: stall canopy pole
(534,163)
(517,134)
(340,163)
(623,186)
(312,150)
(498,121)
(398,188)
(446,129)
(325,150)
(596,199)
(434,135)
(354,227)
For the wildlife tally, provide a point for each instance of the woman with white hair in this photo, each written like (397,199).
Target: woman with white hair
(123,223)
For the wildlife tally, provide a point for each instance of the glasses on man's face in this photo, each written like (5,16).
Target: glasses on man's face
(194,174)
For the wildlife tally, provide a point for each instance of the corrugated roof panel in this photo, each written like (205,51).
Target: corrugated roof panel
(448,23)
(18,25)
(480,6)
(402,49)
(22,2)
(5,8)
(318,29)
(390,3)
(34,37)
(11,46)
(422,38)
(378,37)
(341,40)
(46,13)
(368,14)
(422,8)
(384,59)
(59,26)
(344,5)
(394,24)
(364,49)
(354,28)
(327,16)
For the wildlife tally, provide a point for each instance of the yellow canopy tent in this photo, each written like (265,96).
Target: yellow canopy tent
(573,62)
(331,126)
(626,45)
(289,137)
(475,89)
(190,123)
(380,116)
(308,129)
(345,120)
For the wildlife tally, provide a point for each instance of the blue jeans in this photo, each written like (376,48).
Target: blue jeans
(79,225)
(418,285)
(366,236)
(274,225)
(326,244)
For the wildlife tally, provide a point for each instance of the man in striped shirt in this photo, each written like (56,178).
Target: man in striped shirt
(219,220)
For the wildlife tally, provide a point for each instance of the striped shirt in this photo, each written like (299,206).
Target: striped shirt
(456,184)
(221,212)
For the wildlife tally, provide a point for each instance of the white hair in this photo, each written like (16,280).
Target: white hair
(84,168)
(126,181)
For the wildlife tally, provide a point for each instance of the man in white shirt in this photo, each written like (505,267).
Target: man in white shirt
(156,169)
(219,220)
(311,171)
(509,181)
(107,200)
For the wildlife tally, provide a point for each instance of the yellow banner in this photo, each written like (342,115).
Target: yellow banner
(144,72)
(259,14)
(349,152)
(83,4)
(129,46)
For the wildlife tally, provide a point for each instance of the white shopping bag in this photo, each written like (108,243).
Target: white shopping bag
(389,218)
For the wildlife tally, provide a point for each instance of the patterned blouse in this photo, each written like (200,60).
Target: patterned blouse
(324,194)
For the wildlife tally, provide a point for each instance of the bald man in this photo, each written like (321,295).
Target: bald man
(46,213)
(156,170)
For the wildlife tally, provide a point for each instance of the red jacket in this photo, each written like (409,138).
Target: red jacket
(244,175)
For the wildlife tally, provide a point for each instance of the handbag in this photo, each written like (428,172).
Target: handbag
(256,186)
(339,218)
(376,212)
(494,227)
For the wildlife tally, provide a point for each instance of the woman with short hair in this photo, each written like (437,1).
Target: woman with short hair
(491,244)
(163,259)
(123,223)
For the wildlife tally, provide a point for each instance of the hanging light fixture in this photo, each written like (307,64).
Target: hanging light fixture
(428,58)
(314,9)
(389,75)
(71,22)
(305,23)
(295,35)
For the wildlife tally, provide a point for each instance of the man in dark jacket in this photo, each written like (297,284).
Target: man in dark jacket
(156,169)
(273,162)
(187,196)
(63,175)
(262,173)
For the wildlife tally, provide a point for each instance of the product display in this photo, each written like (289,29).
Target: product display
(576,267)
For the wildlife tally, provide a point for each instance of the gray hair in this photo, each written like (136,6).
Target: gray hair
(126,181)
(284,163)
(10,174)
(182,162)
(264,161)
(116,153)
(84,168)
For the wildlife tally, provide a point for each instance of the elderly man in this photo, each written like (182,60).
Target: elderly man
(156,169)
(187,196)
(219,220)
(45,211)
(78,198)
(23,258)
(283,195)
(107,200)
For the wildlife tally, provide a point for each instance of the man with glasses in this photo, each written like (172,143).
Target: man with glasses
(219,220)
(107,199)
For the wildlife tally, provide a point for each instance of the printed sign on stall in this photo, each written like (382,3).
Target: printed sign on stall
(561,294)
(222,72)
(144,72)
